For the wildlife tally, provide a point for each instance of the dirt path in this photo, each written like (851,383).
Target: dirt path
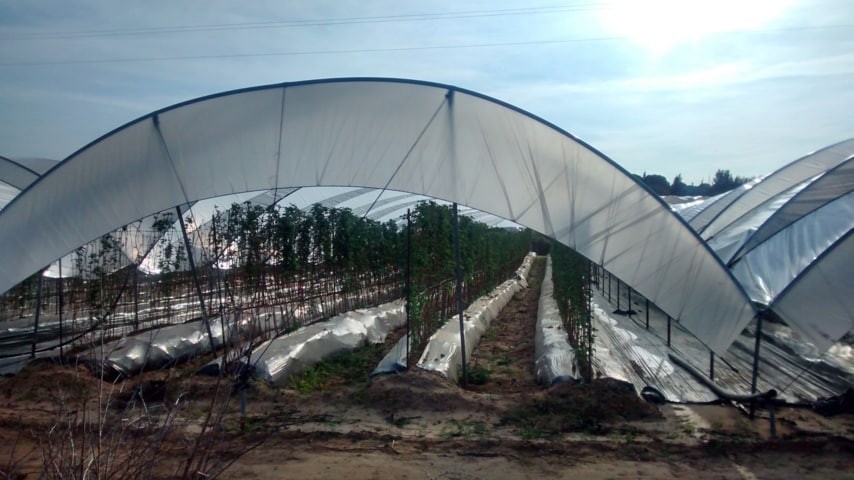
(506,352)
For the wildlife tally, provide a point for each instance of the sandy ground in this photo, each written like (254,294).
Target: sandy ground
(412,426)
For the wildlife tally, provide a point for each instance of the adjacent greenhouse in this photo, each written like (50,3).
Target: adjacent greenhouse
(786,239)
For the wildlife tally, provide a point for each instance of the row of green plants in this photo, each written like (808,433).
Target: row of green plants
(488,256)
(571,274)
(278,261)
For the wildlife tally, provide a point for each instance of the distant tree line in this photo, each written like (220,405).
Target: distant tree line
(723,181)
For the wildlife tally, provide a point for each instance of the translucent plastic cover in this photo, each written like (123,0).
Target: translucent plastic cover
(783,179)
(424,138)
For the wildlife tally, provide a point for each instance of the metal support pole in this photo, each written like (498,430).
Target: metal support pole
(196,279)
(609,287)
(618,294)
(668,330)
(772,419)
(59,306)
(135,298)
(408,283)
(460,292)
(647,314)
(588,307)
(38,313)
(712,365)
(755,375)
(629,301)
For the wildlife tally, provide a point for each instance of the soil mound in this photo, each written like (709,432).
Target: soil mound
(419,390)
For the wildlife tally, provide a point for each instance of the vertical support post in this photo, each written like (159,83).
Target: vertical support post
(668,330)
(609,287)
(408,281)
(712,365)
(772,419)
(588,307)
(460,292)
(38,313)
(618,294)
(629,301)
(59,307)
(196,279)
(135,297)
(755,375)
(646,309)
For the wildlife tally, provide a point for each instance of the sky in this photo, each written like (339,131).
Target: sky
(659,86)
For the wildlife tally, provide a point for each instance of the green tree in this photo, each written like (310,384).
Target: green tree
(678,187)
(657,183)
(724,182)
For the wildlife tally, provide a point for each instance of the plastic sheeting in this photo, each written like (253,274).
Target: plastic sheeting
(700,215)
(7,193)
(831,274)
(444,353)
(770,267)
(781,180)
(14,177)
(625,349)
(15,174)
(769,247)
(154,349)
(436,140)
(773,230)
(395,360)
(554,358)
(276,360)
(834,184)
(728,241)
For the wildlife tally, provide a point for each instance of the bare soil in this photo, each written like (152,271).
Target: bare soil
(417,425)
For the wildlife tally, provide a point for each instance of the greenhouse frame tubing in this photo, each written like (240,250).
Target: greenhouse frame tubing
(460,291)
(59,306)
(38,313)
(646,306)
(668,330)
(408,280)
(712,365)
(196,279)
(135,299)
(589,321)
(755,363)
(629,300)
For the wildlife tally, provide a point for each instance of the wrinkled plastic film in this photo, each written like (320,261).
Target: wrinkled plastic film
(153,349)
(554,357)
(443,353)
(275,361)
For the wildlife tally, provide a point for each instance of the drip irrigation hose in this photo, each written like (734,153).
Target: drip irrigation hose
(720,392)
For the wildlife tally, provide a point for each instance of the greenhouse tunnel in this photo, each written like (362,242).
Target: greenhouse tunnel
(424,138)
(778,235)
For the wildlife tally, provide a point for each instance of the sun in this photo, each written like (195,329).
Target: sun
(660,25)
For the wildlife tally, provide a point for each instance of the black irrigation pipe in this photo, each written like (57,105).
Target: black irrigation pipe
(720,392)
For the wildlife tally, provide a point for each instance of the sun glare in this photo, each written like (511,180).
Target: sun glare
(660,25)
